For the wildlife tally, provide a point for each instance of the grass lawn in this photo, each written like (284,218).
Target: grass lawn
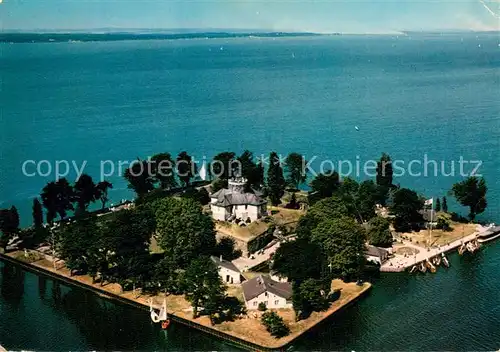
(440,237)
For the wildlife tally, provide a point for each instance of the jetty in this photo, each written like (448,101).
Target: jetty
(400,263)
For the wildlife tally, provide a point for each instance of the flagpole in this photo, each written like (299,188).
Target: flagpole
(430,224)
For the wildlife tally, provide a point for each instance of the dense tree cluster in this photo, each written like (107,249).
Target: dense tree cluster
(379,233)
(60,197)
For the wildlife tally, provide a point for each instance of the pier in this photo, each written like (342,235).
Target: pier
(400,263)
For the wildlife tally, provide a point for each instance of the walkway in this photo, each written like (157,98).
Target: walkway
(400,263)
(244,264)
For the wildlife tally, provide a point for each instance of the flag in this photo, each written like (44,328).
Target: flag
(429,201)
(203,172)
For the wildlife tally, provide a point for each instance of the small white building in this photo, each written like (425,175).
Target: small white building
(262,289)
(227,270)
(376,255)
(235,203)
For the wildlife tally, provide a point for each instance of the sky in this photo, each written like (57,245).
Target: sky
(321,16)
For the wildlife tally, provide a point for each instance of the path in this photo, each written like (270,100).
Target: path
(244,263)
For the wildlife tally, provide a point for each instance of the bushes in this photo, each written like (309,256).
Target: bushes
(262,307)
(274,324)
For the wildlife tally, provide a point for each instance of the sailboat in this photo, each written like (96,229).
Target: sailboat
(203,172)
(445,260)
(161,316)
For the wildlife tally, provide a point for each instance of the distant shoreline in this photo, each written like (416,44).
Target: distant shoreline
(105,35)
(62,37)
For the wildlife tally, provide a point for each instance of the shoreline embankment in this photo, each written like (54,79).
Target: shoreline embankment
(226,336)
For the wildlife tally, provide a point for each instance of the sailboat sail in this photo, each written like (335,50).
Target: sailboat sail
(203,172)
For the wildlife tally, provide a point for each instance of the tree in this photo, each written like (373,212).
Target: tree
(384,177)
(57,198)
(343,241)
(226,248)
(445,205)
(224,165)
(299,260)
(254,173)
(444,222)
(438,205)
(379,233)
(293,204)
(183,230)
(471,193)
(127,235)
(9,224)
(102,189)
(274,324)
(37,214)
(204,287)
(168,276)
(275,179)
(77,243)
(325,184)
(139,177)
(85,192)
(360,199)
(406,208)
(309,296)
(218,184)
(296,173)
(163,170)
(328,208)
(186,169)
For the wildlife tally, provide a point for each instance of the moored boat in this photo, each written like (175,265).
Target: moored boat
(445,260)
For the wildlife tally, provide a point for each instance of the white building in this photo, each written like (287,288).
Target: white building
(235,203)
(262,289)
(376,255)
(227,270)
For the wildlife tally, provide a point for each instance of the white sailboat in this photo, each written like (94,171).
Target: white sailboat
(203,172)
(162,315)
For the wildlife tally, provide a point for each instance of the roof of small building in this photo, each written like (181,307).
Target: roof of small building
(376,251)
(226,197)
(224,263)
(260,284)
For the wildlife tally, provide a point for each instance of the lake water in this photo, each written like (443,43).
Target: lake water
(410,96)
(455,309)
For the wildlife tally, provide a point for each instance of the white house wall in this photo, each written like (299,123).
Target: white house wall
(225,272)
(218,213)
(271,301)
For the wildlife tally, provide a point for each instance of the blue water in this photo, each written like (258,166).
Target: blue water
(456,309)
(410,96)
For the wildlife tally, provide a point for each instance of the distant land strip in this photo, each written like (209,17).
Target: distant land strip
(93,37)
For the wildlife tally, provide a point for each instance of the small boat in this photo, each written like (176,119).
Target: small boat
(161,316)
(423,268)
(413,269)
(436,260)
(356,128)
(445,260)
(462,249)
(429,265)
(492,233)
